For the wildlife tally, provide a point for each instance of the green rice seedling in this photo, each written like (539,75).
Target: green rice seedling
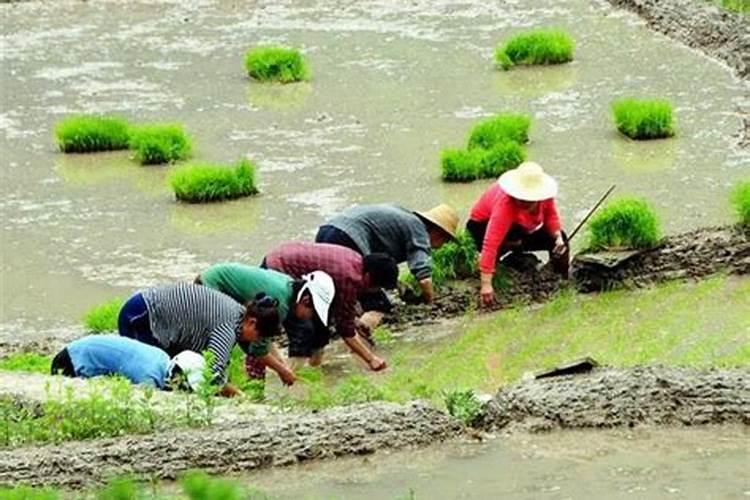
(121,488)
(26,362)
(198,485)
(382,336)
(741,202)
(357,389)
(160,143)
(276,64)
(541,46)
(87,134)
(28,493)
(454,260)
(205,183)
(463,404)
(460,165)
(624,223)
(103,317)
(741,6)
(643,119)
(499,129)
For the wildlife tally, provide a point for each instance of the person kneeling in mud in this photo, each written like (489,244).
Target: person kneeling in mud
(99,355)
(185,316)
(517,214)
(301,302)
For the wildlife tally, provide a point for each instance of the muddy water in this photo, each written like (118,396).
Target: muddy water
(393,83)
(641,463)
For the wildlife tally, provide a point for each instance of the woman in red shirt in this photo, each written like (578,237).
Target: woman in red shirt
(517,213)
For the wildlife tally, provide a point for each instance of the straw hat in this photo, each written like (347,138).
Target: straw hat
(443,216)
(528,182)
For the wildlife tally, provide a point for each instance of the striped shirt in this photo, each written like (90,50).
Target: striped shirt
(184,316)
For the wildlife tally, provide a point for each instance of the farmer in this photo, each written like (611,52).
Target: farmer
(352,275)
(97,355)
(517,213)
(405,235)
(185,316)
(299,302)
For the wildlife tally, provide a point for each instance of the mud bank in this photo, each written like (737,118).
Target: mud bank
(717,32)
(282,439)
(692,255)
(623,398)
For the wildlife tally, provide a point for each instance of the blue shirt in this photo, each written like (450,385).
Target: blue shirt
(140,363)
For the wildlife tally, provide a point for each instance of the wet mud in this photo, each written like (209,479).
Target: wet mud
(623,398)
(691,255)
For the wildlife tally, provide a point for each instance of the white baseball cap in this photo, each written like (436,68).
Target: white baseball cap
(192,365)
(321,288)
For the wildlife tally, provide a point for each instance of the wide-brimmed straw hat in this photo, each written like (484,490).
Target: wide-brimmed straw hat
(528,182)
(443,216)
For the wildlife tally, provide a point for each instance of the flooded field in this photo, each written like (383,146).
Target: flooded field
(708,463)
(392,85)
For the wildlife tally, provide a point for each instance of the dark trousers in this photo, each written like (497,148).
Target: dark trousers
(539,240)
(133,321)
(62,364)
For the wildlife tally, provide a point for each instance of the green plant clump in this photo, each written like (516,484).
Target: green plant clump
(454,260)
(205,183)
(464,405)
(160,143)
(643,119)
(499,129)
(541,46)
(625,223)
(26,362)
(103,317)
(86,134)
(741,202)
(277,64)
(740,6)
(460,165)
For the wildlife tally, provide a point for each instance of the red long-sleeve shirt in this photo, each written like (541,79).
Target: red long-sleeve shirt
(502,212)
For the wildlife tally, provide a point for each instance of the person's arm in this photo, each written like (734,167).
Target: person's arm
(553,226)
(345,315)
(360,349)
(499,224)
(220,343)
(419,260)
(285,373)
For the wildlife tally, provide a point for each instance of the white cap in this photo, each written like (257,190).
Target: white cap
(192,365)
(321,288)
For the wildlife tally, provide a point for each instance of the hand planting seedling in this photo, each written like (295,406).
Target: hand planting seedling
(627,223)
(542,46)
(276,64)
(88,134)
(644,119)
(211,182)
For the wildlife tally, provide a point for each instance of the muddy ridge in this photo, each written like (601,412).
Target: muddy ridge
(692,255)
(624,397)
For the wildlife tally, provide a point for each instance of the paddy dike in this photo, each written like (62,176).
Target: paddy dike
(691,255)
(604,398)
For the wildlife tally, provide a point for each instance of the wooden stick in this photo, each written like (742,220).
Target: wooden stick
(591,212)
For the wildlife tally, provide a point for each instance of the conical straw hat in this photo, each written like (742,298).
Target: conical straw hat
(528,182)
(443,216)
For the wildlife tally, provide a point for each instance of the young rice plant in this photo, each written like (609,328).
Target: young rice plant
(87,134)
(103,317)
(459,165)
(160,143)
(741,202)
(499,129)
(643,119)
(625,223)
(276,64)
(541,46)
(205,183)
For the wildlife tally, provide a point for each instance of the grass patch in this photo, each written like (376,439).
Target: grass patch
(644,119)
(740,199)
(27,362)
(103,317)
(460,165)
(463,404)
(499,129)
(624,223)
(87,134)
(276,64)
(740,6)
(160,143)
(541,46)
(205,183)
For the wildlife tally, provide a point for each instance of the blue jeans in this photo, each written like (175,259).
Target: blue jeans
(133,321)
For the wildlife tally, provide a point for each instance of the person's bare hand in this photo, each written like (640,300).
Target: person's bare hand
(488,295)
(377,364)
(288,377)
(560,246)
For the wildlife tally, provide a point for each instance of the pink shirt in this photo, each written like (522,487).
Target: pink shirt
(502,212)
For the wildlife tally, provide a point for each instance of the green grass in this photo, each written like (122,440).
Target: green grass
(500,129)
(160,143)
(463,404)
(27,362)
(740,199)
(103,317)
(624,223)
(205,183)
(540,46)
(87,134)
(28,493)
(644,119)
(276,64)
(741,6)
(460,165)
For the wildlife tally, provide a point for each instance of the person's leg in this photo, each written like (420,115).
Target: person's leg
(134,322)
(62,364)
(541,240)
(477,231)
